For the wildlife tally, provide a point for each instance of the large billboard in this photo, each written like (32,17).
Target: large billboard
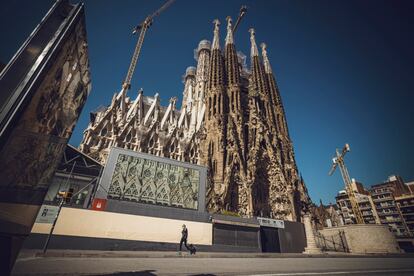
(144,178)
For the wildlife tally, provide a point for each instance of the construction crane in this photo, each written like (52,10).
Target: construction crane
(338,160)
(243,11)
(143,27)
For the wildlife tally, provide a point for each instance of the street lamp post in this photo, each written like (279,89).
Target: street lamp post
(62,200)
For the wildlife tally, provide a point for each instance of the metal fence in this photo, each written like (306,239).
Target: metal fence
(335,242)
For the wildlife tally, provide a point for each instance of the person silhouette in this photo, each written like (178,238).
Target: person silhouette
(184,236)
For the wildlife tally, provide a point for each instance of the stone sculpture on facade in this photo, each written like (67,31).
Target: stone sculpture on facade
(231,120)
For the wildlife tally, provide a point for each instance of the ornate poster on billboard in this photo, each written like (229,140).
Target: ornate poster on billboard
(151,181)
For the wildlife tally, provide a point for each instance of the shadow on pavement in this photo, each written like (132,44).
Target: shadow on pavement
(133,273)
(148,273)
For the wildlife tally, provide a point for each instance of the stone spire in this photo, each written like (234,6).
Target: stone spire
(188,93)
(277,110)
(273,95)
(230,56)
(213,146)
(229,37)
(274,91)
(257,80)
(216,38)
(278,126)
(267,67)
(253,50)
(203,63)
(216,72)
(215,94)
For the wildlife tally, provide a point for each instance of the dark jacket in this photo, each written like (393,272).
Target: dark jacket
(184,233)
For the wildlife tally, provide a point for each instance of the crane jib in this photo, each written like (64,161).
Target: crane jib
(143,27)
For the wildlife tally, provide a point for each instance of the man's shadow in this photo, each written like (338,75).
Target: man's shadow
(133,273)
(148,273)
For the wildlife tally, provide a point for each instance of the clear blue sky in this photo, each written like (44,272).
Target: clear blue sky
(345,70)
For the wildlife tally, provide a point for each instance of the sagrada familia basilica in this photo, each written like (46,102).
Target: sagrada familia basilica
(231,120)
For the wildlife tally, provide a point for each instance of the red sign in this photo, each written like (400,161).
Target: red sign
(98,204)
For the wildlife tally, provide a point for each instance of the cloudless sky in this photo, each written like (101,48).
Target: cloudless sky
(345,70)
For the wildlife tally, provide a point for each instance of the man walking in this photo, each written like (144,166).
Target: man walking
(184,236)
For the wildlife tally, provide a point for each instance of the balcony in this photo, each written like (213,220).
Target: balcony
(366,213)
(386,209)
(387,221)
(407,213)
(379,192)
(388,198)
(389,213)
(387,205)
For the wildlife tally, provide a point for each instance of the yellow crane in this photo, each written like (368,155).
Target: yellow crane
(143,27)
(243,11)
(338,160)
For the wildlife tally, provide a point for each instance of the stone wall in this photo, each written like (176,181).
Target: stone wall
(115,226)
(366,238)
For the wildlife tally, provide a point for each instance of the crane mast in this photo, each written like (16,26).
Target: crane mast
(338,160)
(143,27)
(243,11)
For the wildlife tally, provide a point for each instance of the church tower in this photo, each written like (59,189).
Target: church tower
(257,157)
(203,65)
(214,149)
(236,146)
(283,141)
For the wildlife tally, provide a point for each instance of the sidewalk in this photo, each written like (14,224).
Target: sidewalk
(173,254)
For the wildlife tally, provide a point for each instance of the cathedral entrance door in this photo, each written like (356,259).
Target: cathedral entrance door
(269,237)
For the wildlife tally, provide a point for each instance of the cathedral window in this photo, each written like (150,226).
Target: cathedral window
(104,131)
(214,104)
(232,100)
(219,105)
(209,107)
(128,137)
(151,143)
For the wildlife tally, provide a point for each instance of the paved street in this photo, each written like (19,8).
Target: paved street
(214,266)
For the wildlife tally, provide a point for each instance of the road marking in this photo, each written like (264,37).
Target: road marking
(335,272)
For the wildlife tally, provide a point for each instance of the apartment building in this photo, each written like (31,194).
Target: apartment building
(384,198)
(365,203)
(405,204)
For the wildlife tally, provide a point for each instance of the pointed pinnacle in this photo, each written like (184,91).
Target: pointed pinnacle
(229,37)
(253,52)
(266,61)
(216,38)
(173,100)
(263,46)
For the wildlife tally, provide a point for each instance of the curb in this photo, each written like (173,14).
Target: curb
(171,254)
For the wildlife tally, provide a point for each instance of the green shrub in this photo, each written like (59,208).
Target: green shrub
(229,213)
